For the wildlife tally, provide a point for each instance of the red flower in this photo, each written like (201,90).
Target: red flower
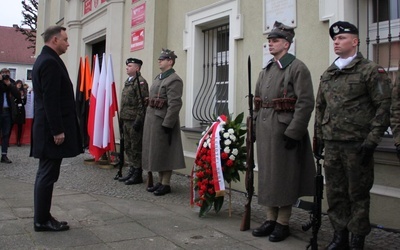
(229,163)
(200,174)
(224,155)
(211,191)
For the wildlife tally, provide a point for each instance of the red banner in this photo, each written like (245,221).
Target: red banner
(87,6)
(137,40)
(138,15)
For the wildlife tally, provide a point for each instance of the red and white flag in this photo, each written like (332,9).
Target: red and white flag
(110,107)
(103,106)
(95,151)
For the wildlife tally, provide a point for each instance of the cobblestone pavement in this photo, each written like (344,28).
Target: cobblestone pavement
(75,175)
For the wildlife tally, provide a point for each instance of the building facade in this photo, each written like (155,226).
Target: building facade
(15,54)
(213,40)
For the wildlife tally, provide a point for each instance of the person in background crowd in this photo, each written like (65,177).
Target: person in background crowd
(132,116)
(55,129)
(395,113)
(162,144)
(19,110)
(284,101)
(7,94)
(352,114)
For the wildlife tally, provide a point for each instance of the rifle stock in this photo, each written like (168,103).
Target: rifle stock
(150,179)
(315,207)
(249,179)
(121,155)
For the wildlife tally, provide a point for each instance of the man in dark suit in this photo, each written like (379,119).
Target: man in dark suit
(55,131)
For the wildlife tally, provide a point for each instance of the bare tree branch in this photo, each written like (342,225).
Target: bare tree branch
(29,24)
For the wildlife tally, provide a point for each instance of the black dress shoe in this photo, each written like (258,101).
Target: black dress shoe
(50,225)
(154,188)
(280,233)
(265,229)
(5,159)
(162,190)
(340,241)
(61,222)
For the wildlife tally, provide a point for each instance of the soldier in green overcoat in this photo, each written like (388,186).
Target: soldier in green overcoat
(284,99)
(162,144)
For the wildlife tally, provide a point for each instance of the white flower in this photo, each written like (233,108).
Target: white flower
(209,141)
(204,144)
(203,133)
(231,131)
(232,137)
(226,135)
(232,157)
(227,142)
(227,150)
(235,151)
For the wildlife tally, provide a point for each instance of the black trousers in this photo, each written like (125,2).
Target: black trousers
(46,176)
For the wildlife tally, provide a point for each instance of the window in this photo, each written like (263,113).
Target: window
(382,36)
(29,75)
(213,97)
(209,40)
(383,44)
(385,10)
(13,73)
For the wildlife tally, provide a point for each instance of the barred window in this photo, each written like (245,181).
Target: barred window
(212,98)
(383,34)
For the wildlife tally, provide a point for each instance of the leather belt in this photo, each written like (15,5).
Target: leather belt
(267,105)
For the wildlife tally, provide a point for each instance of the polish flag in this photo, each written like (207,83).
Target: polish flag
(94,150)
(110,108)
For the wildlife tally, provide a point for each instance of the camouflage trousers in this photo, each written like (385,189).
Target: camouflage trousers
(347,187)
(133,144)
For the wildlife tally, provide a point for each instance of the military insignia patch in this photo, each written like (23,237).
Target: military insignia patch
(381,70)
(336,29)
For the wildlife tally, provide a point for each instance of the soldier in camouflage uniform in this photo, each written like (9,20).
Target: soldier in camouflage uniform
(395,113)
(132,116)
(352,113)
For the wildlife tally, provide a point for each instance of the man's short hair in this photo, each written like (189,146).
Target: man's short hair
(52,31)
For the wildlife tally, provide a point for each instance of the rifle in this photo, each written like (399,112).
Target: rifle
(120,155)
(250,138)
(315,207)
(149,173)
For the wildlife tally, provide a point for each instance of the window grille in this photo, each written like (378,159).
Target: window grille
(212,98)
(383,34)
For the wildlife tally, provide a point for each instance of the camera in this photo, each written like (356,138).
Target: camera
(6,77)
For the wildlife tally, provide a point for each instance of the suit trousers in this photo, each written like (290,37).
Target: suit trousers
(46,176)
(6,125)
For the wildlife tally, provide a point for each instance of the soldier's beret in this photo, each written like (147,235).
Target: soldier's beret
(167,54)
(341,27)
(281,31)
(134,60)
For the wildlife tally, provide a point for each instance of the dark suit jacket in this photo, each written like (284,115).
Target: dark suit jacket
(54,108)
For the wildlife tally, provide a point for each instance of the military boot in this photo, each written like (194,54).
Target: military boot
(357,242)
(128,176)
(340,241)
(136,178)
